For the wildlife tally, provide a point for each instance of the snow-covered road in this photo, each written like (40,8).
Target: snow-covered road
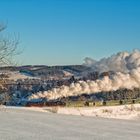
(22,124)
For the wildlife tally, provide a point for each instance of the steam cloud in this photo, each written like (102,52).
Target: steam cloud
(127,68)
(121,62)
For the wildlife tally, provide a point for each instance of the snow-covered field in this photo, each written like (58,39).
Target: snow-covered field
(17,75)
(127,112)
(18,123)
(123,112)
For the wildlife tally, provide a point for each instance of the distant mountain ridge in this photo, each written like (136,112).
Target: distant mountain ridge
(48,71)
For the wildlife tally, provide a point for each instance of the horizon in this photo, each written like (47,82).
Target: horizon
(54,33)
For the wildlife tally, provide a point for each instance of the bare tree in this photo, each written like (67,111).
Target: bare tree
(8,48)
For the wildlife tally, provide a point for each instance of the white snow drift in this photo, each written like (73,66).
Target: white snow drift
(125,112)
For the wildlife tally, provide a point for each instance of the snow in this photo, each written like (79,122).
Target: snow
(17,75)
(67,74)
(126,112)
(20,123)
(37,109)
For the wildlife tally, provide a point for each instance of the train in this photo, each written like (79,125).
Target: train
(45,103)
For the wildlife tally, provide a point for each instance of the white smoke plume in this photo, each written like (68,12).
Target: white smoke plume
(121,62)
(127,68)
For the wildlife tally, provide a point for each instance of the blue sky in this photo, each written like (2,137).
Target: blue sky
(59,32)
